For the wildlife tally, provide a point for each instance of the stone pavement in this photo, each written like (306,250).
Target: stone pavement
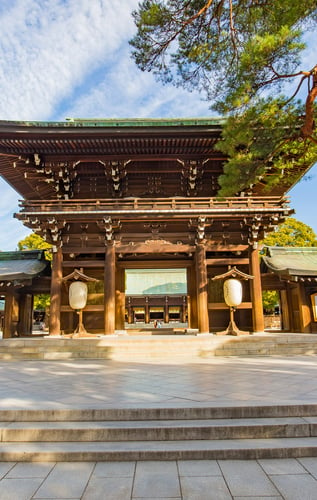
(107,384)
(269,479)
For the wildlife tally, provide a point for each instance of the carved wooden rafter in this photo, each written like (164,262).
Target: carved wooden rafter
(108,226)
(192,172)
(259,225)
(154,185)
(155,229)
(200,224)
(117,172)
(254,230)
(49,228)
(60,174)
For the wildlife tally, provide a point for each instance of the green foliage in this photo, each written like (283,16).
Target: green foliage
(270,300)
(220,46)
(41,302)
(292,233)
(35,242)
(239,54)
(263,145)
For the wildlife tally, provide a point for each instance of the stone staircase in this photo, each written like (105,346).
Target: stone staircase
(124,434)
(156,347)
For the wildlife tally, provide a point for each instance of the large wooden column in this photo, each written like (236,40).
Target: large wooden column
(291,308)
(25,314)
(11,316)
(285,312)
(256,291)
(304,310)
(110,289)
(192,313)
(120,299)
(56,293)
(166,311)
(202,288)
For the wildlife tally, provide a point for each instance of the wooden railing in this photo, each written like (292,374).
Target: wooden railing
(154,204)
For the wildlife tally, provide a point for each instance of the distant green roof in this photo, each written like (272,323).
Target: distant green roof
(291,261)
(122,122)
(23,255)
(15,266)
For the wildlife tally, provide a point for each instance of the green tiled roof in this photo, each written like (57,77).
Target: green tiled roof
(22,265)
(122,122)
(292,261)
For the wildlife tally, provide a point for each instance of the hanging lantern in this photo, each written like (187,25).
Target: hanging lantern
(78,295)
(232,290)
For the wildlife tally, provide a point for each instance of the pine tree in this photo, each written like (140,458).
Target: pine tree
(240,54)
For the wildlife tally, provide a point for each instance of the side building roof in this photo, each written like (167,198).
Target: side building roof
(290,262)
(24,265)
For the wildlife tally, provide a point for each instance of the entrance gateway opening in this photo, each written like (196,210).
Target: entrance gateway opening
(156,297)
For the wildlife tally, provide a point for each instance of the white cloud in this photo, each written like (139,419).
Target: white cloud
(49,47)
(125,91)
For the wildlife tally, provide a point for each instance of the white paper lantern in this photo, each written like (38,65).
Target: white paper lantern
(232,290)
(77,295)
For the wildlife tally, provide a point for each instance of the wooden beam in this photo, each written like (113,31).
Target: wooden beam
(157,264)
(223,305)
(56,291)
(256,291)
(202,288)
(154,247)
(304,309)
(84,263)
(110,289)
(227,262)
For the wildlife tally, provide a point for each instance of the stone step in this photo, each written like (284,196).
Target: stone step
(156,347)
(158,433)
(158,430)
(160,450)
(144,413)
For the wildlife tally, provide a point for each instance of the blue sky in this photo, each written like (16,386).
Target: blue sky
(71,58)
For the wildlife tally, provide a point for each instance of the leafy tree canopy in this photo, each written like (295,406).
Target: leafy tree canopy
(35,242)
(270,300)
(292,233)
(240,54)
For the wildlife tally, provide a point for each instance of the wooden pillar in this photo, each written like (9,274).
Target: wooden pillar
(166,311)
(289,298)
(25,314)
(11,316)
(202,288)
(146,311)
(120,299)
(110,289)
(256,291)
(192,313)
(183,311)
(304,310)
(130,314)
(285,316)
(56,293)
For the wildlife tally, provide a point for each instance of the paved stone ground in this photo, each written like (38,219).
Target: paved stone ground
(101,384)
(291,479)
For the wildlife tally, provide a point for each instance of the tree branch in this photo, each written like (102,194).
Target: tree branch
(232,29)
(309,125)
